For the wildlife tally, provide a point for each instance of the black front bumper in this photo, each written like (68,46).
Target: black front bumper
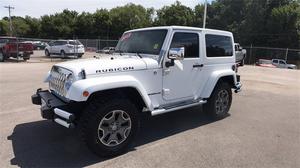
(48,102)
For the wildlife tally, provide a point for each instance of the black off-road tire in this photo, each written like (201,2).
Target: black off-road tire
(91,118)
(211,107)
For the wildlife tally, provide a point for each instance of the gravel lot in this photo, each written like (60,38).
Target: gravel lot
(263,129)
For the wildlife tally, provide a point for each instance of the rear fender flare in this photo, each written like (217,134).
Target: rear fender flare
(213,80)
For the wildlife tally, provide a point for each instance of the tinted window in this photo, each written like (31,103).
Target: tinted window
(75,42)
(275,61)
(143,42)
(218,46)
(190,42)
(60,42)
(281,62)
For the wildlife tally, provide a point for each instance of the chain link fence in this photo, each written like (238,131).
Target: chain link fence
(254,53)
(97,44)
(291,56)
(89,44)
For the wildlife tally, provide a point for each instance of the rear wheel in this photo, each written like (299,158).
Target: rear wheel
(242,62)
(62,54)
(109,127)
(219,102)
(26,57)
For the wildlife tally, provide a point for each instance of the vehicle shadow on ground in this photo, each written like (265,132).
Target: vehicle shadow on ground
(45,144)
(14,60)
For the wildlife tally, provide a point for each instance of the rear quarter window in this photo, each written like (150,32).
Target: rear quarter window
(218,46)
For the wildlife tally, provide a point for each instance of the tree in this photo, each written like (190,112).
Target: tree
(128,17)
(274,23)
(283,25)
(176,14)
(3,27)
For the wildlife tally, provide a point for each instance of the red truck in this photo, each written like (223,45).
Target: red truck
(11,47)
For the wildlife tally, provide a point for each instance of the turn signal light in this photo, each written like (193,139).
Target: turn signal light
(85,94)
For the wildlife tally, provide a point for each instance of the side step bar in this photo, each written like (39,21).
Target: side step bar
(162,111)
(65,115)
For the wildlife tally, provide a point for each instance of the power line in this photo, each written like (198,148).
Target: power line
(10,22)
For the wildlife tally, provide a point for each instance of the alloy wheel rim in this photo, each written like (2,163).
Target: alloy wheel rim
(114,128)
(222,101)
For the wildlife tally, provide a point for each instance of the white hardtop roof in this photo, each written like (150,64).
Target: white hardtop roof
(184,28)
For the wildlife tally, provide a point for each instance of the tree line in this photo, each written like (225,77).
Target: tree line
(274,23)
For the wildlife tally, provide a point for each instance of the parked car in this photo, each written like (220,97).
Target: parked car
(265,63)
(155,70)
(65,48)
(107,50)
(11,47)
(39,45)
(280,63)
(240,54)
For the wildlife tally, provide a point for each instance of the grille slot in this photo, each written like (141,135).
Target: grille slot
(57,80)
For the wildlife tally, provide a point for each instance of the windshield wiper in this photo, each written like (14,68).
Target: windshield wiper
(139,55)
(120,52)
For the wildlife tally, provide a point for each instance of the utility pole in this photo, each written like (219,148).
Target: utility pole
(204,16)
(9,15)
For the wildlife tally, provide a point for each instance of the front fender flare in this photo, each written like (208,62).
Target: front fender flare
(105,83)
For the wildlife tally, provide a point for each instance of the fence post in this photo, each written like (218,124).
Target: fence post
(286,54)
(250,55)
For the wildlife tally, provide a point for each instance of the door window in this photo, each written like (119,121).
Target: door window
(190,42)
(281,62)
(275,61)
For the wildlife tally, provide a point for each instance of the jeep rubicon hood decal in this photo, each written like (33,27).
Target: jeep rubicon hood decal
(106,64)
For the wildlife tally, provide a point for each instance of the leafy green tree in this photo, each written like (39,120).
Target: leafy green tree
(34,27)
(84,26)
(283,25)
(128,17)
(20,27)
(3,27)
(176,14)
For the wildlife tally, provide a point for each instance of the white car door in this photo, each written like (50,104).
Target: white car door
(183,80)
(54,47)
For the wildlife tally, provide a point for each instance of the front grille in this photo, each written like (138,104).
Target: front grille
(58,77)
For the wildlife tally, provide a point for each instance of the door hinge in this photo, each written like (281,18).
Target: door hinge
(166,72)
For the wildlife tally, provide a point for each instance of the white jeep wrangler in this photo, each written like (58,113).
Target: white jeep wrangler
(155,70)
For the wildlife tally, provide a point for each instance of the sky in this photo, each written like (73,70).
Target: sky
(37,8)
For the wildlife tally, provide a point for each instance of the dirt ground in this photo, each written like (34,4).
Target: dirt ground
(263,129)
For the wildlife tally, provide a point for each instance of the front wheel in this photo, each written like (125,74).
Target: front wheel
(109,127)
(219,102)
(62,54)
(47,53)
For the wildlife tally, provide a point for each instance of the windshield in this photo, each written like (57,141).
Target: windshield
(142,42)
